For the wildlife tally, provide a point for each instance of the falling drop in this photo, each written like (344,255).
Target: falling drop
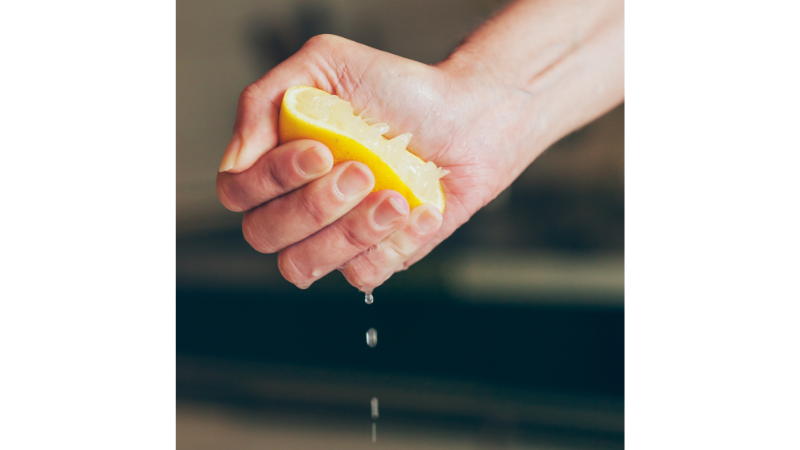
(372,339)
(374,404)
(369,298)
(374,432)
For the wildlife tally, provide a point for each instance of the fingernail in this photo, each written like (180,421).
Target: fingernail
(352,180)
(314,160)
(229,158)
(428,219)
(390,210)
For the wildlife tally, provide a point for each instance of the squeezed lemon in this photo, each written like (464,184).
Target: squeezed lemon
(310,113)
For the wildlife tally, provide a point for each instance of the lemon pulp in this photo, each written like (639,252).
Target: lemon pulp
(420,176)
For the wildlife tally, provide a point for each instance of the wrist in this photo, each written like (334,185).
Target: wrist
(562,69)
(498,126)
(498,105)
(469,66)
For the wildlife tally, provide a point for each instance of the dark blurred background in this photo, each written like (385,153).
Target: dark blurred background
(508,335)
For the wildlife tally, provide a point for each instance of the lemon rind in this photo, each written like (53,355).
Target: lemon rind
(306,127)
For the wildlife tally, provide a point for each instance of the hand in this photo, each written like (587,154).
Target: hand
(483,128)
(318,216)
(321,217)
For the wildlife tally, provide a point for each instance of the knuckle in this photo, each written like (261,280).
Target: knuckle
(318,216)
(357,276)
(279,175)
(320,41)
(366,271)
(248,106)
(355,238)
(225,196)
(255,237)
(395,254)
(289,270)
(250,94)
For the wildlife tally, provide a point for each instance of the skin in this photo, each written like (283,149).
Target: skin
(529,76)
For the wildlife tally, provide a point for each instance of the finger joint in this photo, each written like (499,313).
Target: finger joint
(255,236)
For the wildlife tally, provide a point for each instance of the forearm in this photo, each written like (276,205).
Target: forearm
(564,59)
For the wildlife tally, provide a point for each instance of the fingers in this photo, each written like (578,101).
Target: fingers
(283,170)
(301,213)
(371,221)
(256,128)
(369,270)
(331,63)
(255,131)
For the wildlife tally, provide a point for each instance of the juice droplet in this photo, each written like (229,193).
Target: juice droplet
(369,298)
(372,337)
(374,432)
(374,404)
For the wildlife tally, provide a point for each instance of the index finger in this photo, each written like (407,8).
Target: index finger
(282,170)
(256,129)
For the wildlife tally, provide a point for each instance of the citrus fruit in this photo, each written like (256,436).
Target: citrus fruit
(310,113)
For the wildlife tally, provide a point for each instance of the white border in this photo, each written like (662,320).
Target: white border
(87,294)
(87,299)
(712,225)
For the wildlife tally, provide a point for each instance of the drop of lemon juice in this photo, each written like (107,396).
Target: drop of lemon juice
(373,403)
(372,337)
(368,298)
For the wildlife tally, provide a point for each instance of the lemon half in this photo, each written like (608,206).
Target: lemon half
(310,113)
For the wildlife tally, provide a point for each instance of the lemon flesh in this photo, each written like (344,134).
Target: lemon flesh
(310,113)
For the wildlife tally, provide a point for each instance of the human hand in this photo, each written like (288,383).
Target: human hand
(321,217)
(465,118)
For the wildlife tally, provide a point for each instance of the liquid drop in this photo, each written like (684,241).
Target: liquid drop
(369,298)
(372,341)
(374,432)
(374,404)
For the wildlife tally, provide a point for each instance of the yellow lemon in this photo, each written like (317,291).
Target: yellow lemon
(310,113)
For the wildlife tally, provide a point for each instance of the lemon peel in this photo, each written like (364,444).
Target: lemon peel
(310,113)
